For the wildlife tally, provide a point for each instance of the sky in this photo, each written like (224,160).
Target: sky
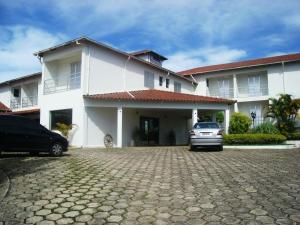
(190,33)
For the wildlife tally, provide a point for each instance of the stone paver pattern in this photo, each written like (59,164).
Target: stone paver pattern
(167,185)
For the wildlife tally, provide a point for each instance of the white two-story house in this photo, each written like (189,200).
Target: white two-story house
(104,91)
(250,83)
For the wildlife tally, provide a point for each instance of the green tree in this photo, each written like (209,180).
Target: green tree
(284,110)
(239,123)
(220,117)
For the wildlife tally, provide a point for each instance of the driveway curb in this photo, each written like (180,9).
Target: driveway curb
(4,184)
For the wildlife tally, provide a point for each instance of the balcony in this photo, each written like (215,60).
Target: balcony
(241,92)
(62,84)
(17,103)
(221,93)
(246,92)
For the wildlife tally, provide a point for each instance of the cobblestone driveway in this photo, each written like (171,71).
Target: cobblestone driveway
(153,186)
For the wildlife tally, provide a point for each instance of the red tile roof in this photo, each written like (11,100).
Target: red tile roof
(4,108)
(153,95)
(242,64)
(23,112)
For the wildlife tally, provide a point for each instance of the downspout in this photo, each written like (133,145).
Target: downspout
(124,75)
(283,80)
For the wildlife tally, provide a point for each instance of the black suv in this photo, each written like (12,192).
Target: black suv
(21,134)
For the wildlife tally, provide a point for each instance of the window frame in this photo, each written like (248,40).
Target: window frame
(148,79)
(167,83)
(177,86)
(161,81)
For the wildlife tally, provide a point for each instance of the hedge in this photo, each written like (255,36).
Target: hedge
(293,136)
(253,139)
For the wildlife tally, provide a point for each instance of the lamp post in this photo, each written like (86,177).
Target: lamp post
(253,115)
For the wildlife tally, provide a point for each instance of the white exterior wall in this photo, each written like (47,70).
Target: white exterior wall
(292,79)
(69,99)
(112,72)
(5,95)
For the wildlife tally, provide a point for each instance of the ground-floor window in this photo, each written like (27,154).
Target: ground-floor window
(60,116)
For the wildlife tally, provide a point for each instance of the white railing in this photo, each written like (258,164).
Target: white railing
(62,84)
(15,103)
(258,121)
(245,92)
(29,101)
(220,93)
(242,92)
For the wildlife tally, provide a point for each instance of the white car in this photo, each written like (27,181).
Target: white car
(206,134)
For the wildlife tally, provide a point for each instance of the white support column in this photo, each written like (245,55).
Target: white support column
(119,126)
(235,92)
(227,118)
(194,116)
(235,87)
(236,107)
(214,116)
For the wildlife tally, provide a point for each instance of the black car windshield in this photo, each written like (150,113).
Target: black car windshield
(206,126)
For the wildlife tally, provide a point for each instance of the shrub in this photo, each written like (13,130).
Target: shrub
(253,139)
(266,128)
(239,123)
(284,110)
(293,136)
(220,117)
(64,128)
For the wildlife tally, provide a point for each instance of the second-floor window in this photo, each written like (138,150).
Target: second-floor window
(161,80)
(149,79)
(177,86)
(167,83)
(254,85)
(75,76)
(224,88)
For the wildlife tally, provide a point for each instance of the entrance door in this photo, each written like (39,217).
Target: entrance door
(150,130)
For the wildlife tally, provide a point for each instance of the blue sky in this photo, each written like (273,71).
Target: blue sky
(189,32)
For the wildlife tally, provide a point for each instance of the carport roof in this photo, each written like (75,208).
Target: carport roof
(153,95)
(4,108)
(23,112)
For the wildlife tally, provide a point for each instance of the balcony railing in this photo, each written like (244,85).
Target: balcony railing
(220,93)
(15,103)
(242,92)
(29,101)
(245,92)
(62,84)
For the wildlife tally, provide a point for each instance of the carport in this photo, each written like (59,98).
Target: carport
(119,114)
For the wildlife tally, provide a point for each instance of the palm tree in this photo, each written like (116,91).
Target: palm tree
(284,110)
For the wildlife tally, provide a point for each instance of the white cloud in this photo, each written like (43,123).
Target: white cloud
(202,57)
(18,43)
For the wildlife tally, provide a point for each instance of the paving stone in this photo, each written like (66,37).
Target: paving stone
(258,212)
(53,216)
(71,214)
(84,218)
(64,221)
(114,219)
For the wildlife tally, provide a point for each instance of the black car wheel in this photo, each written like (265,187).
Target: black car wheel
(220,148)
(56,149)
